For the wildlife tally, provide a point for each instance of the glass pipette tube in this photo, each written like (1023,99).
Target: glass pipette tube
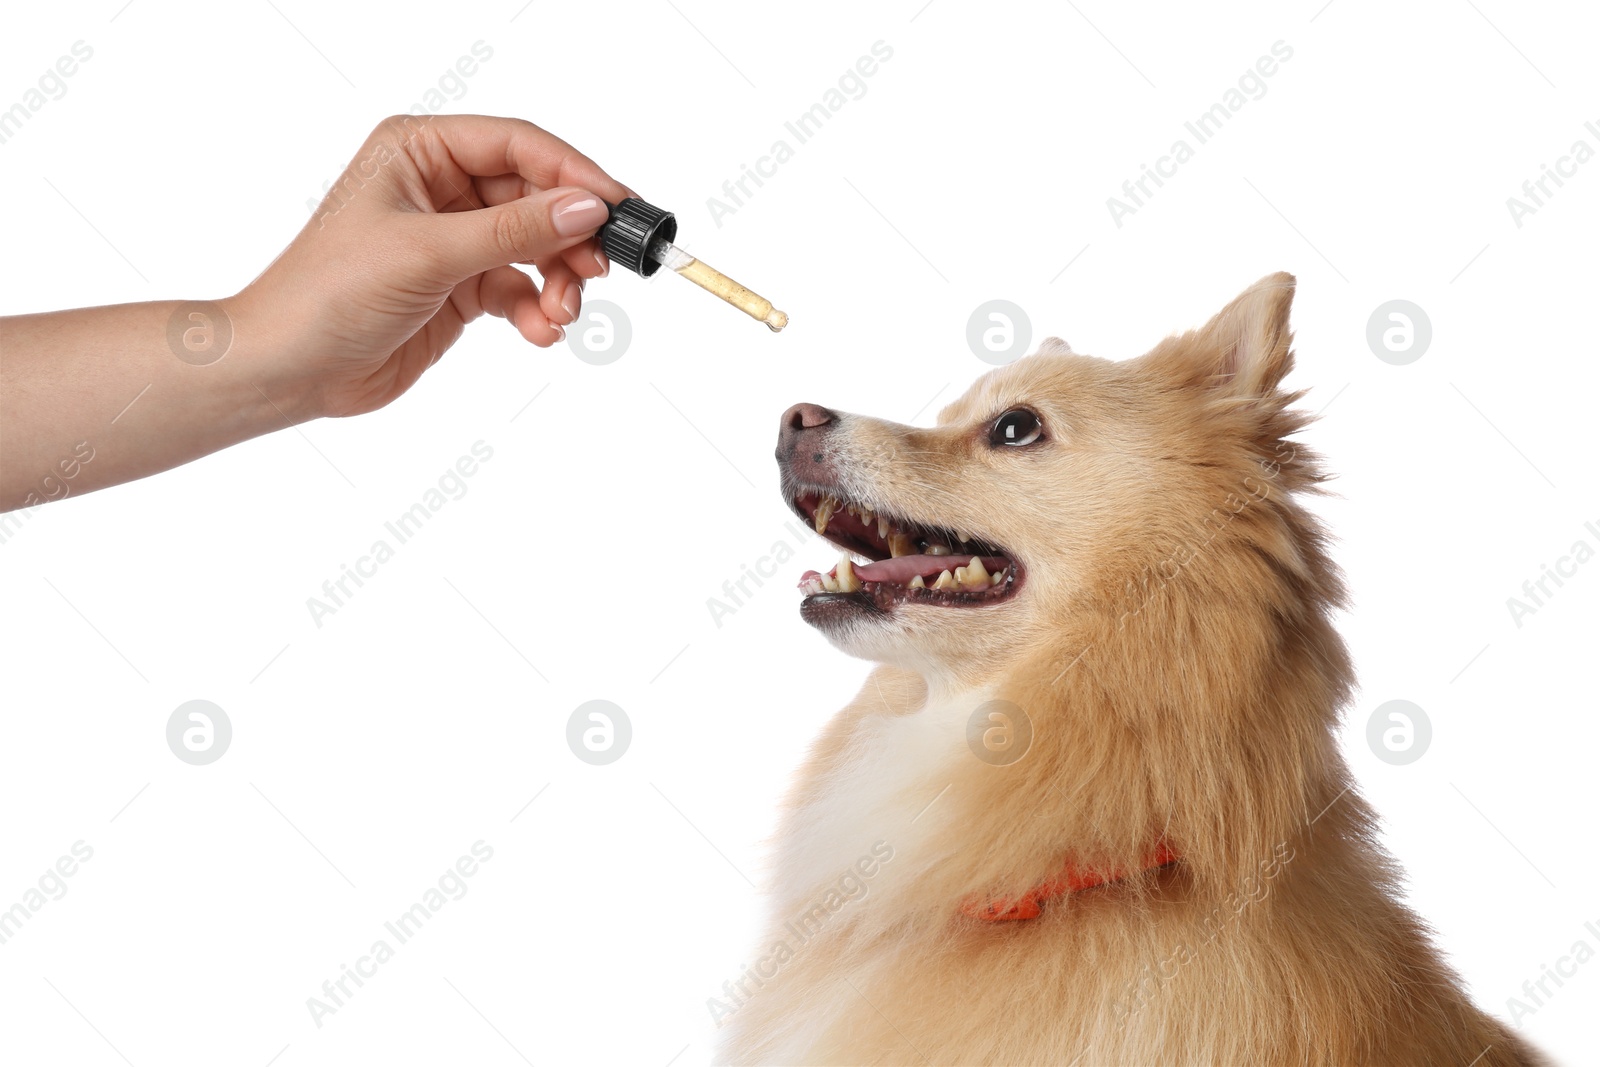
(714,281)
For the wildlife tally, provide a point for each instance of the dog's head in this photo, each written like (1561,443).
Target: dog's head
(1061,486)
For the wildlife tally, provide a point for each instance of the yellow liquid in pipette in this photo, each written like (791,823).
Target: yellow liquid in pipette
(753,304)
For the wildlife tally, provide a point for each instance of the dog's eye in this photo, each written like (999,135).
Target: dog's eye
(1019,427)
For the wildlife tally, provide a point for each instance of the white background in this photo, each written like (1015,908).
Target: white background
(368,754)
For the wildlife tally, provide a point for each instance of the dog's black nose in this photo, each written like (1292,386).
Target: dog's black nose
(804,417)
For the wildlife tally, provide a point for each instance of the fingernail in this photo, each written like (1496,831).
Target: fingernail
(578,213)
(604,262)
(569,302)
(561,331)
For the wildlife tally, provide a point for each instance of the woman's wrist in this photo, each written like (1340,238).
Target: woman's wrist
(267,371)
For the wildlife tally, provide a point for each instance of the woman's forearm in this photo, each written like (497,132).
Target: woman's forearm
(95,396)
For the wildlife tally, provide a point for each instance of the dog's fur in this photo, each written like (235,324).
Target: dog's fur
(1172,649)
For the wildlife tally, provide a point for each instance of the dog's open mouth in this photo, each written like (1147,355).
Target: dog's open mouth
(905,561)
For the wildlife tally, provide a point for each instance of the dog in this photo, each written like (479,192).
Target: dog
(1089,806)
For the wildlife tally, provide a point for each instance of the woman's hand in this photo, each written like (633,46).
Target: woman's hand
(418,238)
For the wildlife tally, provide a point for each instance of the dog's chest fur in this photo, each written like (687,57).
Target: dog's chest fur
(889,787)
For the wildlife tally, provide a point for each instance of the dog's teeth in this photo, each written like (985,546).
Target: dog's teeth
(945,581)
(917,582)
(901,545)
(994,579)
(830,584)
(866,516)
(846,580)
(963,538)
(812,586)
(883,526)
(938,550)
(973,575)
(825,511)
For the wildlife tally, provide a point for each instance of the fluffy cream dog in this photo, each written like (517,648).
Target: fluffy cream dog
(1089,807)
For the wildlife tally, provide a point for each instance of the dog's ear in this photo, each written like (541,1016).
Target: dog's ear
(1055,346)
(1244,350)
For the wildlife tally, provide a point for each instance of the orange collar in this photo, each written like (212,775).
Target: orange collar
(1071,879)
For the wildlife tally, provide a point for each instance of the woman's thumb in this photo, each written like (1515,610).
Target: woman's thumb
(519,231)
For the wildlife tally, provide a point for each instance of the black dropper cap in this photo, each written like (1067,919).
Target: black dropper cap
(625,238)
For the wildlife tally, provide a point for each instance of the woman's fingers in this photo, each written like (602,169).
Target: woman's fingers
(585,260)
(562,295)
(486,146)
(509,294)
(502,188)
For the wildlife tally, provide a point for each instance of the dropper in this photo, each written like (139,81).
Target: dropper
(639,236)
(714,281)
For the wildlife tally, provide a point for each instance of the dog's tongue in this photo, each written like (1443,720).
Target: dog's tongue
(901,569)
